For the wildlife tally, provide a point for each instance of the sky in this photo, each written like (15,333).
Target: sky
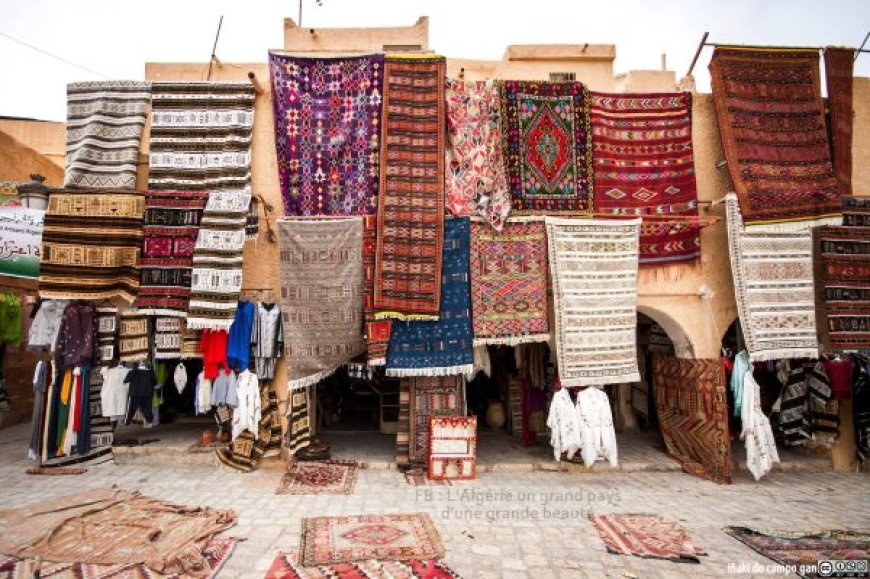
(115,38)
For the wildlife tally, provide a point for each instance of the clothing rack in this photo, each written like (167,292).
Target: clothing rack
(706,35)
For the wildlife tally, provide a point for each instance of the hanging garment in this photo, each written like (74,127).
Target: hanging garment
(239,338)
(179,377)
(213,345)
(248,412)
(203,394)
(596,427)
(46,325)
(839,374)
(77,333)
(741,366)
(225,390)
(142,383)
(267,339)
(115,392)
(564,425)
(761,451)
(10,320)
(792,406)
(861,407)
(40,382)
(823,410)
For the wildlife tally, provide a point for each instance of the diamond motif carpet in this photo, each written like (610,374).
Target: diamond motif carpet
(547,143)
(329,540)
(286,566)
(772,124)
(644,167)
(648,536)
(331,477)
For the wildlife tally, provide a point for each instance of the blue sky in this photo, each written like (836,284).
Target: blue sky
(116,38)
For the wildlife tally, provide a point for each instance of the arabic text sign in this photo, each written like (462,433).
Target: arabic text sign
(20,240)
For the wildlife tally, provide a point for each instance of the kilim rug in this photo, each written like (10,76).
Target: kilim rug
(216,553)
(645,167)
(773,286)
(509,283)
(403,426)
(133,336)
(443,347)
(327,130)
(105,527)
(772,124)
(167,338)
(547,144)
(839,65)
(692,410)
(377,331)
(269,439)
(104,121)
(107,335)
(330,477)
(411,204)
(90,245)
(171,227)
(201,141)
(841,259)
(593,265)
(345,539)
(240,454)
(286,566)
(648,536)
(476,182)
(856,211)
(431,396)
(799,550)
(321,296)
(298,420)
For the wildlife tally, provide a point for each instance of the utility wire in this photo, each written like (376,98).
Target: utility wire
(56,57)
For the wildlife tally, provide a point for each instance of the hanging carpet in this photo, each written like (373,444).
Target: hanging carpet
(104,121)
(321,296)
(593,265)
(692,410)
(201,141)
(298,420)
(377,331)
(772,123)
(90,245)
(476,182)
(411,204)
(645,167)
(773,286)
(443,347)
(403,426)
(327,131)
(839,70)
(856,211)
(171,227)
(431,396)
(547,144)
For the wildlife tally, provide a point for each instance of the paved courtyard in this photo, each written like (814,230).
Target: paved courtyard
(504,524)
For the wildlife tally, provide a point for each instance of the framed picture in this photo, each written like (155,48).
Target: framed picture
(452,447)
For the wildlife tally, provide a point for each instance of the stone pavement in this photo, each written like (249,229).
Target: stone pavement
(504,524)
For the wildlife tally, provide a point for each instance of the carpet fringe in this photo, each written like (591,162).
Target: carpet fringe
(442,371)
(203,324)
(406,317)
(301,383)
(162,312)
(793,226)
(598,380)
(512,341)
(377,361)
(783,354)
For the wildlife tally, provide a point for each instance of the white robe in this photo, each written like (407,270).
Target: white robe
(596,427)
(564,426)
(761,450)
(247,414)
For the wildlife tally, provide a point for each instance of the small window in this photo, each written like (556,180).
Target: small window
(562,76)
(402,48)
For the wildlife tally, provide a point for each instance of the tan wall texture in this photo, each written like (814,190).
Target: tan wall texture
(46,137)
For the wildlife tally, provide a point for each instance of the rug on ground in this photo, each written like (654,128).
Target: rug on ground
(431,396)
(692,410)
(201,141)
(772,124)
(327,131)
(649,536)
(104,121)
(443,347)
(476,182)
(329,477)
(509,283)
(773,286)
(321,296)
(547,144)
(645,167)
(594,270)
(90,245)
(345,539)
(287,566)
(216,553)
(805,550)
(171,227)
(105,527)
(411,203)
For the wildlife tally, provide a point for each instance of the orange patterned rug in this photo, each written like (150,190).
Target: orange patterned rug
(286,566)
(330,477)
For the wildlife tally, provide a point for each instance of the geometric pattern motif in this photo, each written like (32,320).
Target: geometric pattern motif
(547,145)
(331,477)
(509,283)
(799,550)
(693,415)
(327,125)
(432,396)
(644,167)
(772,123)
(648,536)
(286,566)
(329,540)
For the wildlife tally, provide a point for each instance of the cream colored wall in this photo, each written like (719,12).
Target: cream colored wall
(646,81)
(861,137)
(595,74)
(354,39)
(46,137)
